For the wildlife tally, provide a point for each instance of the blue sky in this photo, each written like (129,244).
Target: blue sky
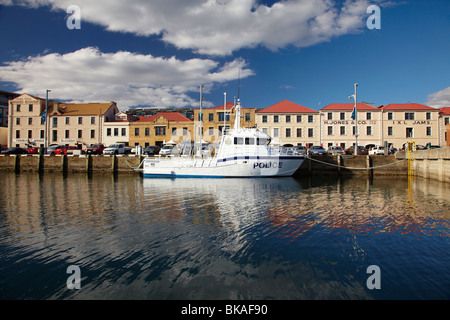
(159,52)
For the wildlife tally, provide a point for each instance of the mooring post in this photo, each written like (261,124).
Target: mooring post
(17,163)
(89,163)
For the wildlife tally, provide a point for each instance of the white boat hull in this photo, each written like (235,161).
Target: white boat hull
(242,167)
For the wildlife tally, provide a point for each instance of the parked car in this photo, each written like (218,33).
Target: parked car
(52,148)
(33,150)
(361,150)
(166,150)
(335,150)
(115,148)
(15,150)
(319,150)
(95,149)
(376,150)
(66,150)
(151,150)
(299,150)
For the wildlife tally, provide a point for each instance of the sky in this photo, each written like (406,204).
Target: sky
(158,53)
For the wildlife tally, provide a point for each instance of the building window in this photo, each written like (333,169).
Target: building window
(428,131)
(30,108)
(288,132)
(310,133)
(221,116)
(299,118)
(428,115)
(17,134)
(30,134)
(342,130)
(409,115)
(80,120)
(67,135)
(92,134)
(369,116)
(160,131)
(54,122)
(80,134)
(264,130)
(390,131)
(446,121)
(185,131)
(42,134)
(124,131)
(264,119)
(275,119)
(369,130)
(54,135)
(310,118)
(67,120)
(330,130)
(342,117)
(247,117)
(299,132)
(116,132)
(200,117)
(288,119)
(136,132)
(211,117)
(17,121)
(354,130)
(390,116)
(275,132)
(92,120)
(409,133)
(147,132)
(18,108)
(108,132)
(211,131)
(330,116)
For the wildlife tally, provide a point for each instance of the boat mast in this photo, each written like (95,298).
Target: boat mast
(201,115)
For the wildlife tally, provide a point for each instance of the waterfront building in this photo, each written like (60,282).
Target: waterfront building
(216,118)
(160,128)
(444,121)
(67,123)
(338,128)
(403,122)
(289,124)
(117,131)
(5,96)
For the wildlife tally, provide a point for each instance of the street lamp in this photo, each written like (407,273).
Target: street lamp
(355,117)
(44,118)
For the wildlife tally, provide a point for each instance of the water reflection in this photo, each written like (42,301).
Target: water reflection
(220,238)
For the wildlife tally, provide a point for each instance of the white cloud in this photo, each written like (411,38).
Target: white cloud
(128,78)
(439,99)
(219,27)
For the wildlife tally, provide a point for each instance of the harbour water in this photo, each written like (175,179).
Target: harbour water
(276,238)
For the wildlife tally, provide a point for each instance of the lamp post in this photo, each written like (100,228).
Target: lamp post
(45,120)
(355,117)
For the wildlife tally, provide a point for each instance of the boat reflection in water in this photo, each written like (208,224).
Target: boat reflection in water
(265,238)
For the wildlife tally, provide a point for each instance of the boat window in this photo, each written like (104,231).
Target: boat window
(238,140)
(261,141)
(249,141)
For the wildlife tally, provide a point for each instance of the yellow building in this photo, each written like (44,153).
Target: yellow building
(289,124)
(338,128)
(410,122)
(216,118)
(161,128)
(67,123)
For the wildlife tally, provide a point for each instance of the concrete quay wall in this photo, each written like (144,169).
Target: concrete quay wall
(430,164)
(64,163)
(353,165)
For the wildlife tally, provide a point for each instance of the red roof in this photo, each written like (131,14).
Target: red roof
(286,106)
(348,106)
(444,110)
(170,116)
(406,106)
